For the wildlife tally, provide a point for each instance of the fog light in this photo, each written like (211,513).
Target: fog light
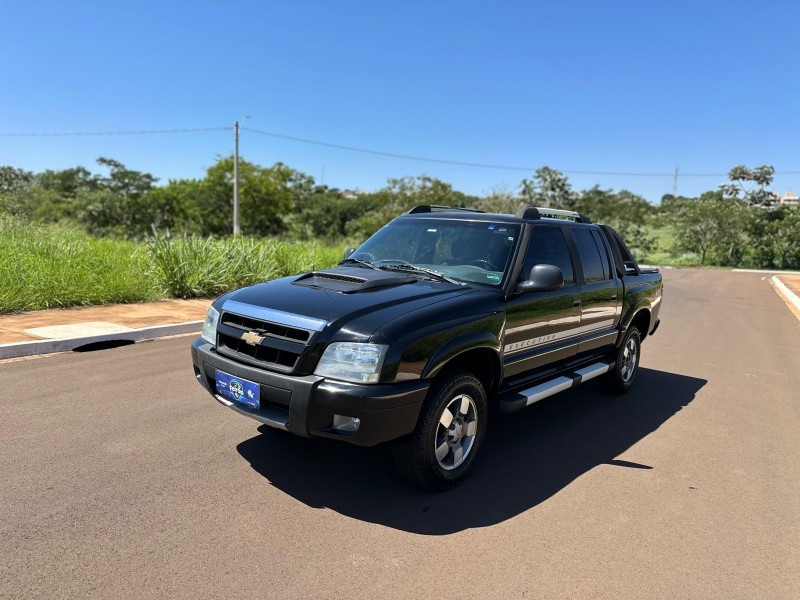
(346,424)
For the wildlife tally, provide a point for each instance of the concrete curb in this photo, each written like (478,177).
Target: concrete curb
(765,271)
(35,347)
(787,293)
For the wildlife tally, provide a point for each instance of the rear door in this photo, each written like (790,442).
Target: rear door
(539,325)
(601,290)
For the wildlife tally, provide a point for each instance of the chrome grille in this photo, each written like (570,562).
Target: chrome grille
(279,349)
(272,329)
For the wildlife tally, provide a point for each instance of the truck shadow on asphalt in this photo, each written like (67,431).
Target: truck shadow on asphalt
(526,458)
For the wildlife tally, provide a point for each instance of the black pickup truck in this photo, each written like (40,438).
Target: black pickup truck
(439,318)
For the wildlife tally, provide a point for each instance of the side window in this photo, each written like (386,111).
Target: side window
(591,257)
(548,246)
(603,253)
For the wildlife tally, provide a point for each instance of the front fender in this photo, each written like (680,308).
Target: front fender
(423,351)
(463,343)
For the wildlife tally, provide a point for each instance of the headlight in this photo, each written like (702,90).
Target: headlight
(209,333)
(351,361)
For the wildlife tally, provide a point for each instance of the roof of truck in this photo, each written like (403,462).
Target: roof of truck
(525,215)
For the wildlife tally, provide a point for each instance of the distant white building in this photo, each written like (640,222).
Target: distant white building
(351,194)
(789,199)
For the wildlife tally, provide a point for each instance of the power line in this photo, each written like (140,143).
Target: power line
(364,151)
(480,165)
(381,153)
(99,133)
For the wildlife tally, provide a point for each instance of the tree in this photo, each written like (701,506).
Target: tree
(13,180)
(499,200)
(399,196)
(708,224)
(105,213)
(66,183)
(106,205)
(750,185)
(625,211)
(15,185)
(125,182)
(549,188)
(786,239)
(174,208)
(266,196)
(775,236)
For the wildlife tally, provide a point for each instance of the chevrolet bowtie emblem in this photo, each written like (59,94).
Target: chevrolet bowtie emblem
(252,338)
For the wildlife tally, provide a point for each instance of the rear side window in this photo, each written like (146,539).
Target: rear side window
(603,253)
(548,247)
(594,269)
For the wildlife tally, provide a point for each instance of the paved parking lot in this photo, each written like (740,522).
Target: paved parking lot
(121,478)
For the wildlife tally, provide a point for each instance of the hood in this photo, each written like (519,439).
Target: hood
(353,300)
(352,280)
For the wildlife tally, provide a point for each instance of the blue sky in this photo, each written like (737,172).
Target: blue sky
(579,86)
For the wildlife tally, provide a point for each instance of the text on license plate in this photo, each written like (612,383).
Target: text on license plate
(238,389)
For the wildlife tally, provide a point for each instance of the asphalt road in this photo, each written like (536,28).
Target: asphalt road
(121,478)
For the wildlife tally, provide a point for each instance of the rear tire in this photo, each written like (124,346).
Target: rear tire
(449,434)
(620,379)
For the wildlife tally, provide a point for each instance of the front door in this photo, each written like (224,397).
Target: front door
(540,326)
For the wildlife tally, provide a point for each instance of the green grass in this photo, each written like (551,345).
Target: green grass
(195,267)
(45,266)
(665,253)
(53,266)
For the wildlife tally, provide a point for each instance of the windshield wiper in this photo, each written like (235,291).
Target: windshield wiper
(358,261)
(413,269)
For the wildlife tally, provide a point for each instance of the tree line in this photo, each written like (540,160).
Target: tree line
(736,225)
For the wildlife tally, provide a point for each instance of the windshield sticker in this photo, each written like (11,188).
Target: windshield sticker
(493,277)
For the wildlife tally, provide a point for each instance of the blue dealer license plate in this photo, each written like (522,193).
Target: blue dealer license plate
(238,389)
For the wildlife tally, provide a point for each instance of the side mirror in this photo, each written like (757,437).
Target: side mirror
(348,253)
(543,278)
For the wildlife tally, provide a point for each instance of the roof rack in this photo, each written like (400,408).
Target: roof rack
(530,212)
(429,208)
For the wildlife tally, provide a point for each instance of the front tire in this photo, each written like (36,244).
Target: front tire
(448,436)
(620,379)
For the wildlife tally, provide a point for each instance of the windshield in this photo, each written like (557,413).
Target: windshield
(475,252)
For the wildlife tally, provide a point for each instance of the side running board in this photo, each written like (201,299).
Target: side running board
(515,401)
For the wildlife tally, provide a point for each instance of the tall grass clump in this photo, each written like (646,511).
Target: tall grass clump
(301,257)
(195,267)
(52,266)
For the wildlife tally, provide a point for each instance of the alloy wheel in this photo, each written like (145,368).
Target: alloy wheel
(455,433)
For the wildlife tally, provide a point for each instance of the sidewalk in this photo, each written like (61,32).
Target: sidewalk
(46,331)
(788,288)
(792,282)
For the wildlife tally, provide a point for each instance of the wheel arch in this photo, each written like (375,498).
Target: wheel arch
(482,361)
(641,319)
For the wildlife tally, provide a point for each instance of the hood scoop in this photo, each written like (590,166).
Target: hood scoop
(349,280)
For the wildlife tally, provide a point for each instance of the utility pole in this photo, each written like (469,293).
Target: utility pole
(675,184)
(236,227)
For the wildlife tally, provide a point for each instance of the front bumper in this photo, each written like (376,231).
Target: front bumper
(305,405)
